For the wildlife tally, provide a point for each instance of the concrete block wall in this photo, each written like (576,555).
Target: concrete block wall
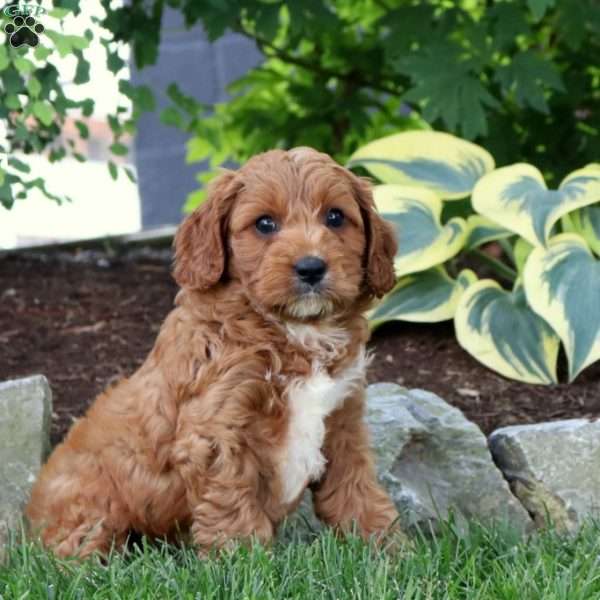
(201,69)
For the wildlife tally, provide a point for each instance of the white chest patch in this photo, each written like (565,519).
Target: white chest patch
(310,400)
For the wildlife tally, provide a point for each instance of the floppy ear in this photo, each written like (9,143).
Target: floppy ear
(381,241)
(200,247)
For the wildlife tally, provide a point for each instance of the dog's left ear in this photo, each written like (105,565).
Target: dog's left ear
(381,240)
(200,245)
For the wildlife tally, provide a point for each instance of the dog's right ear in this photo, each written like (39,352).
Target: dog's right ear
(200,245)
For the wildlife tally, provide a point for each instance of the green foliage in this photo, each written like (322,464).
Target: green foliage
(522,78)
(511,227)
(34,104)
(482,564)
(340,73)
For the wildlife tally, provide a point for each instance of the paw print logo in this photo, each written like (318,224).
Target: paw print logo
(24,30)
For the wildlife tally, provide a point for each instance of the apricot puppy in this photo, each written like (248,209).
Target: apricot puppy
(254,389)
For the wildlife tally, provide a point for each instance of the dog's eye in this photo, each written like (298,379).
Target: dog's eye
(266,225)
(335,218)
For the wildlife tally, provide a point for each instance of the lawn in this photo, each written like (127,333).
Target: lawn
(483,563)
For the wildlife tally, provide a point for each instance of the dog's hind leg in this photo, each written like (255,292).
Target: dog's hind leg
(75,509)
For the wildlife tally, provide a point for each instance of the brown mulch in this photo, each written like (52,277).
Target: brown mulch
(85,324)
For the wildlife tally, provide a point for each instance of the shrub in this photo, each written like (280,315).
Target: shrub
(520,77)
(34,102)
(453,210)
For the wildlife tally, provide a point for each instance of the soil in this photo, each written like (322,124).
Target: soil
(88,319)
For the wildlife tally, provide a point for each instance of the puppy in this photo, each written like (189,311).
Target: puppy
(254,389)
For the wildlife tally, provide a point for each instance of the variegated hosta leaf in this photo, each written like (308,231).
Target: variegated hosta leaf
(562,284)
(482,230)
(423,241)
(586,223)
(517,198)
(426,297)
(500,330)
(438,161)
(586,220)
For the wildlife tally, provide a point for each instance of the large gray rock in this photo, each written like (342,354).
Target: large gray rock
(25,412)
(434,462)
(553,468)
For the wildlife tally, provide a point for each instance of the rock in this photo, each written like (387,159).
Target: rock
(553,468)
(25,412)
(302,524)
(435,462)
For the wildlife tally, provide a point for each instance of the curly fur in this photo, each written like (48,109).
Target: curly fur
(253,390)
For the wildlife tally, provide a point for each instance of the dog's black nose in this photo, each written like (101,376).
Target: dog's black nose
(310,269)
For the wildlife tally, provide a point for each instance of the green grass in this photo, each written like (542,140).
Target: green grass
(483,563)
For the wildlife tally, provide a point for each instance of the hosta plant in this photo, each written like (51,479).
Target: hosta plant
(515,264)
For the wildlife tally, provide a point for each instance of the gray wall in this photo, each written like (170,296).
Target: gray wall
(202,70)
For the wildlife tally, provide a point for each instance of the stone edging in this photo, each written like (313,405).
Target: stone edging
(432,460)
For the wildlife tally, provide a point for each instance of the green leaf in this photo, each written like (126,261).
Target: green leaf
(57,154)
(172,117)
(43,111)
(61,42)
(517,197)
(19,165)
(115,125)
(500,330)
(187,103)
(12,102)
(82,72)
(482,230)
(509,23)
(585,221)
(78,42)
(423,242)
(521,251)
(84,131)
(198,149)
(562,284)
(194,199)
(42,53)
(441,162)
(34,87)
(528,76)
(448,87)
(141,96)
(87,107)
(119,149)
(425,297)
(23,65)
(267,21)
(130,175)
(114,62)
(112,169)
(59,13)
(6,194)
(539,7)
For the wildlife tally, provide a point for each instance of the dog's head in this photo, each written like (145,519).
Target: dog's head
(300,232)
